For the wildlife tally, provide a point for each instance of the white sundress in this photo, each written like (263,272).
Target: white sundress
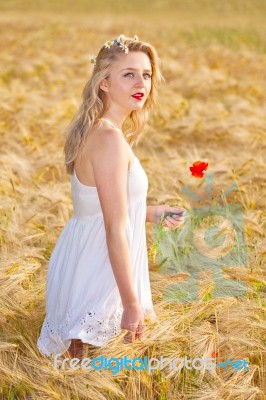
(82,297)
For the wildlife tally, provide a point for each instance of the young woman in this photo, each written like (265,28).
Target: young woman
(97,278)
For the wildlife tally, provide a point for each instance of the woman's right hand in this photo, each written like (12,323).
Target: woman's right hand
(133,321)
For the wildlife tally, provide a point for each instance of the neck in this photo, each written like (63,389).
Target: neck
(114,120)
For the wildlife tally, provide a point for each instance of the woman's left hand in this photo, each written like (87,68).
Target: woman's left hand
(156,214)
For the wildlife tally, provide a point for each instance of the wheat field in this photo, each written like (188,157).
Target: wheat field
(212,108)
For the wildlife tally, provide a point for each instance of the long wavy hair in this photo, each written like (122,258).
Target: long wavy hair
(95,104)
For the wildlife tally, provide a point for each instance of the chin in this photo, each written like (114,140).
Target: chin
(138,106)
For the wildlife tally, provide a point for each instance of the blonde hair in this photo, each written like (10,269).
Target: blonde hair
(94,102)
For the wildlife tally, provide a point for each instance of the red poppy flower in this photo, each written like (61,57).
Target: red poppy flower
(198,168)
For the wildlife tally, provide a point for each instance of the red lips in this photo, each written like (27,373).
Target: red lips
(138,95)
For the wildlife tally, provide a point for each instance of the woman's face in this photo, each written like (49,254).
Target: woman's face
(130,75)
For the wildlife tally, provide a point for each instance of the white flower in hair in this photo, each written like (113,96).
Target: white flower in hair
(120,41)
(108,44)
(92,59)
(121,38)
(124,47)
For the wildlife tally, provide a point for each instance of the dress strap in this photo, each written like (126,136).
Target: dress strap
(103,119)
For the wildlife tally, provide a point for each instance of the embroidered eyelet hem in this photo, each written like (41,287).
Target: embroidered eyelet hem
(93,328)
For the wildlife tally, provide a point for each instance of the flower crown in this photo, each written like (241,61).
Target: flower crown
(119,41)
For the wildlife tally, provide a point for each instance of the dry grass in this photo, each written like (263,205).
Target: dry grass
(212,108)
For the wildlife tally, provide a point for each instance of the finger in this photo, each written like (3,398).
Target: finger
(178,217)
(130,333)
(175,220)
(171,221)
(172,225)
(178,222)
(171,209)
(166,224)
(139,331)
(138,335)
(129,337)
(137,327)
(126,341)
(177,210)
(130,327)
(140,328)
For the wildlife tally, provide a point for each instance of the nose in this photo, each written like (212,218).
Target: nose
(140,82)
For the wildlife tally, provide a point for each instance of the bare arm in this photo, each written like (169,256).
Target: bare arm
(110,165)
(148,214)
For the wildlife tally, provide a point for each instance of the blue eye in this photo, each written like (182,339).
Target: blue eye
(130,73)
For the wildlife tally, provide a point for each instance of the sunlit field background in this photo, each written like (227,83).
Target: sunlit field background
(212,107)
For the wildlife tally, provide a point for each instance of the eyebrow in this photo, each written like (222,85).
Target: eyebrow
(135,69)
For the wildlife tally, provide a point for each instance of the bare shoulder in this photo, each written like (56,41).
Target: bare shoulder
(95,139)
(110,147)
(96,136)
(104,149)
